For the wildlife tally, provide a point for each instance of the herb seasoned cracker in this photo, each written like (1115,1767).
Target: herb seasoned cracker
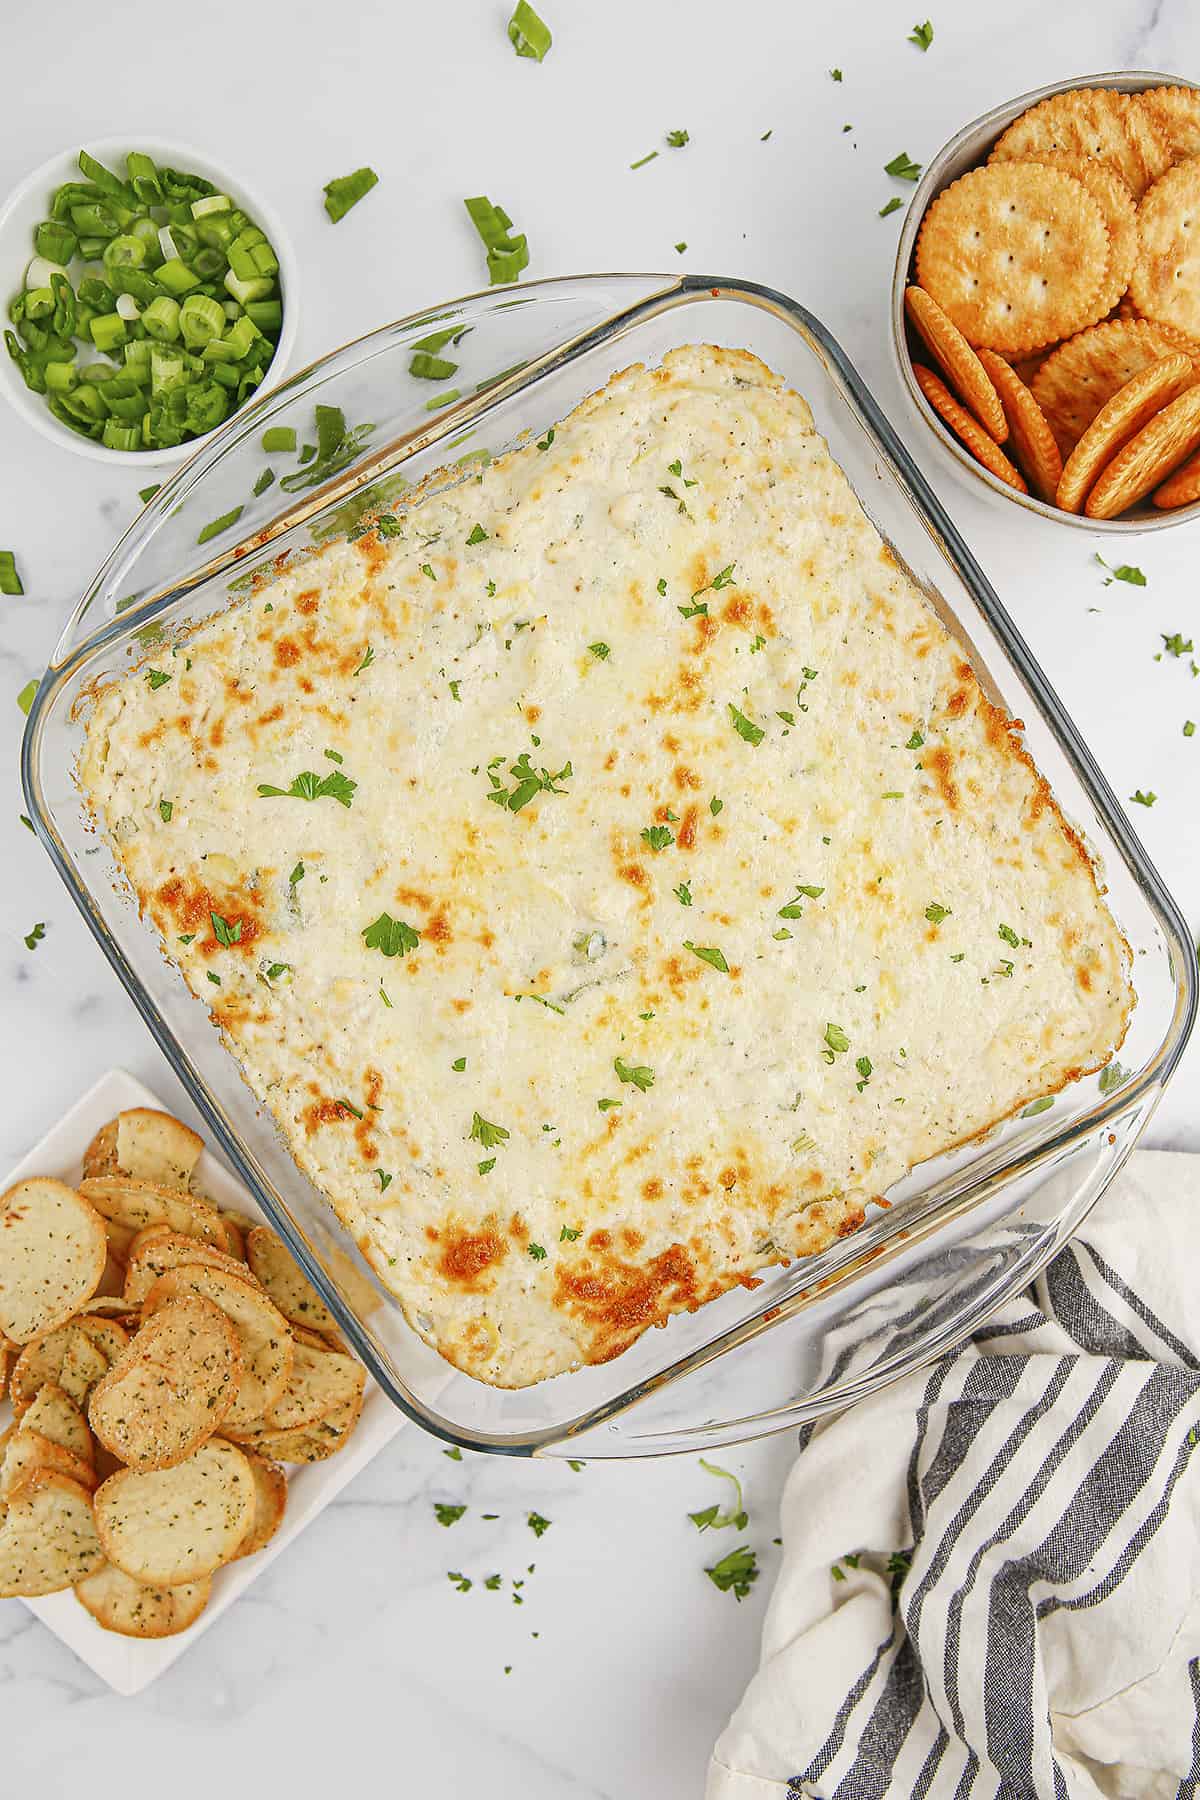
(52,1253)
(1016,253)
(172,1387)
(119,1603)
(170,1526)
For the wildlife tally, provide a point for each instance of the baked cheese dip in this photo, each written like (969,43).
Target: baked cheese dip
(609,872)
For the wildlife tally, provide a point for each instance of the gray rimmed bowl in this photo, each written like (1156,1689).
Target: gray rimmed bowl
(966,150)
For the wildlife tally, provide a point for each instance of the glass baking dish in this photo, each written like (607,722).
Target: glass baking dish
(960,1234)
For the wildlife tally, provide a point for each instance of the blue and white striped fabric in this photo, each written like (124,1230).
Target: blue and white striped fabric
(1039,1634)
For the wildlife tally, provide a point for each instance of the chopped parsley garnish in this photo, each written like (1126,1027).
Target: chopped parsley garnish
(25,697)
(658,837)
(1189,728)
(865,1071)
(1123,572)
(935,913)
(1176,644)
(607,1105)
(550,1005)
(463,1583)
(677,139)
(537,1524)
(836,1038)
(545,443)
(385,1180)
(921,35)
(903,167)
(296,875)
(1140,799)
(681,247)
(459,1064)
(1009,936)
(368,659)
(165,809)
(890,206)
(478,535)
(310,786)
(735,1573)
(157,677)
(526,782)
(391,937)
(642,161)
(708,953)
(278,969)
(600,652)
(349,1107)
(537,1251)
(683,894)
(915,741)
(223,931)
(447,1515)
(793,909)
(188,938)
(334,756)
(569,1233)
(486,1167)
(1038,1106)
(1111,1076)
(715,805)
(215,979)
(711,1518)
(33,938)
(641,1076)
(676,469)
(697,609)
(427,569)
(745,728)
(485,1133)
(835,74)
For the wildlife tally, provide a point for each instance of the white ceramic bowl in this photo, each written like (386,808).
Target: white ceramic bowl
(965,150)
(30,202)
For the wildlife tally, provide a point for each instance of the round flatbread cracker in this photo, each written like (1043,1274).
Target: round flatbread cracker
(1121,419)
(170,1389)
(266,1338)
(52,1255)
(48,1539)
(1029,436)
(968,429)
(270,1504)
(119,1603)
(171,1526)
(1078,378)
(1175,112)
(958,362)
(1181,488)
(1120,217)
(1158,449)
(1016,253)
(1165,283)
(1095,122)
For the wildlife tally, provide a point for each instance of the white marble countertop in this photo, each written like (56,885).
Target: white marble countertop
(354,1652)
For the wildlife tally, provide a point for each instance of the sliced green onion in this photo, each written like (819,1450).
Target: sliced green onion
(446,399)
(25,697)
(264,481)
(199,320)
(10,581)
(118,436)
(104,179)
(345,191)
(56,241)
(529,35)
(211,203)
(643,160)
(128,308)
(506,255)
(108,331)
(146,494)
(176,277)
(143,178)
(217,526)
(38,274)
(279,437)
(161,319)
(431,368)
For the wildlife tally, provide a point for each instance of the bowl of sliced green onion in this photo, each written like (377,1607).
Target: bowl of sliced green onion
(147,296)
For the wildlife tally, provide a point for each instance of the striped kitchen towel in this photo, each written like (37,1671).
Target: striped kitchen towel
(991,1571)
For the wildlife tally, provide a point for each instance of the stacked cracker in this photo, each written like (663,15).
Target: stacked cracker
(1058,292)
(163,1358)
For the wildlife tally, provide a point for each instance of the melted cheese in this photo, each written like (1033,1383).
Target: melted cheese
(782,910)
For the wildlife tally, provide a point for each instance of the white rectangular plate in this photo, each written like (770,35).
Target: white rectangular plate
(129,1664)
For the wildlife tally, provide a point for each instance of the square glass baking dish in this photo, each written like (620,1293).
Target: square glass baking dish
(962,1232)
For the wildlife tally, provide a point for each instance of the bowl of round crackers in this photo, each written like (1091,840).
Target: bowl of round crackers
(1046,301)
